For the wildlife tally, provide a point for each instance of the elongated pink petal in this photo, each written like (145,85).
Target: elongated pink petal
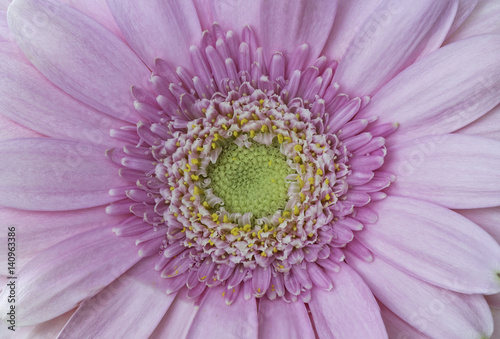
(236,14)
(48,329)
(12,130)
(215,319)
(44,174)
(434,244)
(482,20)
(455,171)
(78,55)
(159,29)
(131,306)
(487,218)
(376,54)
(28,98)
(37,231)
(349,19)
(178,319)
(431,97)
(99,11)
(347,311)
(487,126)
(279,319)
(464,10)
(434,311)
(60,277)
(288,24)
(397,328)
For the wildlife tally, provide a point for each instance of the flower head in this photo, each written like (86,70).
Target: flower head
(251,169)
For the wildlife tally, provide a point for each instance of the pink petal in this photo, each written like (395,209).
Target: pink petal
(130,307)
(11,130)
(349,19)
(279,319)
(60,277)
(482,20)
(159,29)
(37,231)
(99,11)
(236,14)
(205,15)
(487,126)
(288,24)
(443,92)
(178,319)
(78,55)
(465,8)
(434,244)
(215,319)
(349,310)
(487,218)
(55,175)
(436,312)
(377,53)
(28,98)
(397,328)
(48,329)
(455,171)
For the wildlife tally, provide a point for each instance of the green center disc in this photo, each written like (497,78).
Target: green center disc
(251,179)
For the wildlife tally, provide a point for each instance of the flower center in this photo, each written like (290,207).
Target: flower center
(251,179)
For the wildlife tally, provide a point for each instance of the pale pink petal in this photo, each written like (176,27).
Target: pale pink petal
(28,98)
(496,318)
(11,130)
(37,231)
(347,311)
(465,8)
(455,171)
(99,11)
(288,24)
(279,319)
(397,328)
(432,97)
(434,311)
(44,174)
(236,14)
(216,320)
(60,277)
(487,126)
(78,55)
(178,319)
(4,4)
(204,11)
(45,330)
(130,307)
(434,244)
(484,19)
(376,54)
(349,19)
(487,218)
(159,29)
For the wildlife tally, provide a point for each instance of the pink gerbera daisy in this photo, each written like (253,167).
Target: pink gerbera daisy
(237,169)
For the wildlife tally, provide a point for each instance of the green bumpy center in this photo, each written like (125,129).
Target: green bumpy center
(251,179)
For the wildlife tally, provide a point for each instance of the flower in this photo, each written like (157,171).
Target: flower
(264,169)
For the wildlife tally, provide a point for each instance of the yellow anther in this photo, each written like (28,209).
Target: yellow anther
(280,220)
(244,121)
(274,127)
(295,129)
(297,116)
(181,171)
(195,161)
(296,210)
(204,110)
(298,148)
(288,139)
(281,266)
(172,188)
(197,190)
(258,290)
(266,228)
(263,254)
(206,205)
(235,133)
(287,214)
(235,231)
(166,175)
(247,228)
(337,167)
(254,116)
(258,234)
(297,159)
(224,293)
(225,219)
(192,198)
(216,136)
(275,250)
(178,144)
(176,215)
(261,102)
(224,126)
(183,230)
(214,145)
(327,197)
(211,243)
(302,197)
(199,149)
(310,235)
(252,134)
(204,277)
(195,177)
(264,129)
(311,181)
(319,172)
(327,181)
(250,245)
(188,168)
(280,138)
